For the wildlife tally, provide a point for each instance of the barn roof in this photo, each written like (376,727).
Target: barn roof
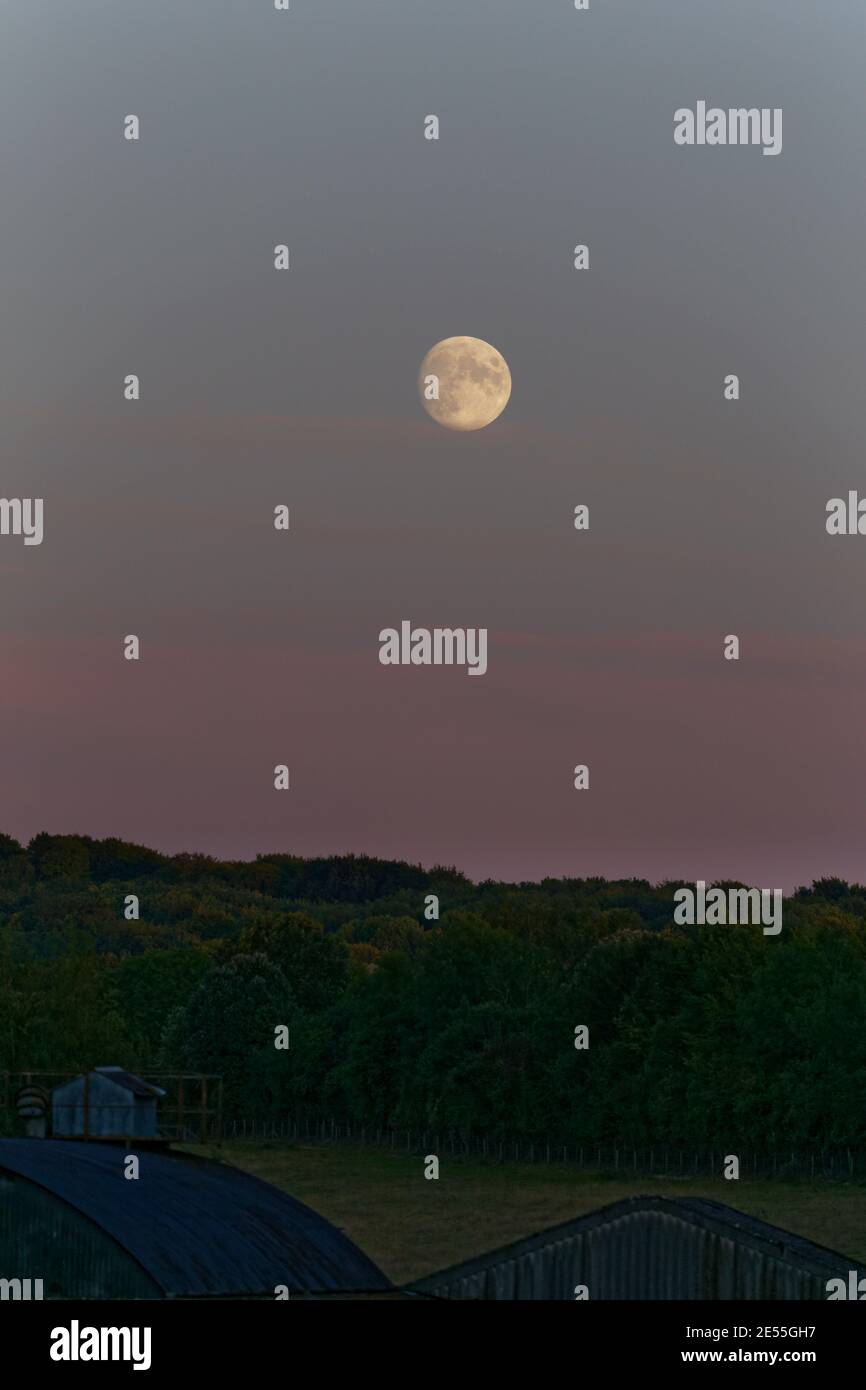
(126,1079)
(746,1233)
(197,1228)
(132,1083)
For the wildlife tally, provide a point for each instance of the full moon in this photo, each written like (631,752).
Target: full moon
(474,383)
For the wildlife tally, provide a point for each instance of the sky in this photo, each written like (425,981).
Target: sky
(260,388)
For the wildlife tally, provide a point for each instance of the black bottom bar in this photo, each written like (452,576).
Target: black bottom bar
(222,1337)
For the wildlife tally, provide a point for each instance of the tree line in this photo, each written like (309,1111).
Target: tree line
(696,1035)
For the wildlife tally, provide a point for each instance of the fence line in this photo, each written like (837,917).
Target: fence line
(657,1160)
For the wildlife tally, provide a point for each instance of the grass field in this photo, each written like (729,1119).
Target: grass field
(412,1226)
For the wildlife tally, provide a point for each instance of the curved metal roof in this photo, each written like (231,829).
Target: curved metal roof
(197,1228)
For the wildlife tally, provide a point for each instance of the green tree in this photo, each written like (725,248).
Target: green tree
(314,963)
(230,1019)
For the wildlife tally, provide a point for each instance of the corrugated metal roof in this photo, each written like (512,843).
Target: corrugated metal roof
(197,1228)
(117,1076)
(648,1247)
(130,1082)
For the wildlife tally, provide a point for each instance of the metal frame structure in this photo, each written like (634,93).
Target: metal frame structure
(194,1099)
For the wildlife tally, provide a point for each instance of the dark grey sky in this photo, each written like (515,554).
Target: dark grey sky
(258,388)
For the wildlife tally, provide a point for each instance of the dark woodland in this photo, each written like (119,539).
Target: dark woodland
(697,1035)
